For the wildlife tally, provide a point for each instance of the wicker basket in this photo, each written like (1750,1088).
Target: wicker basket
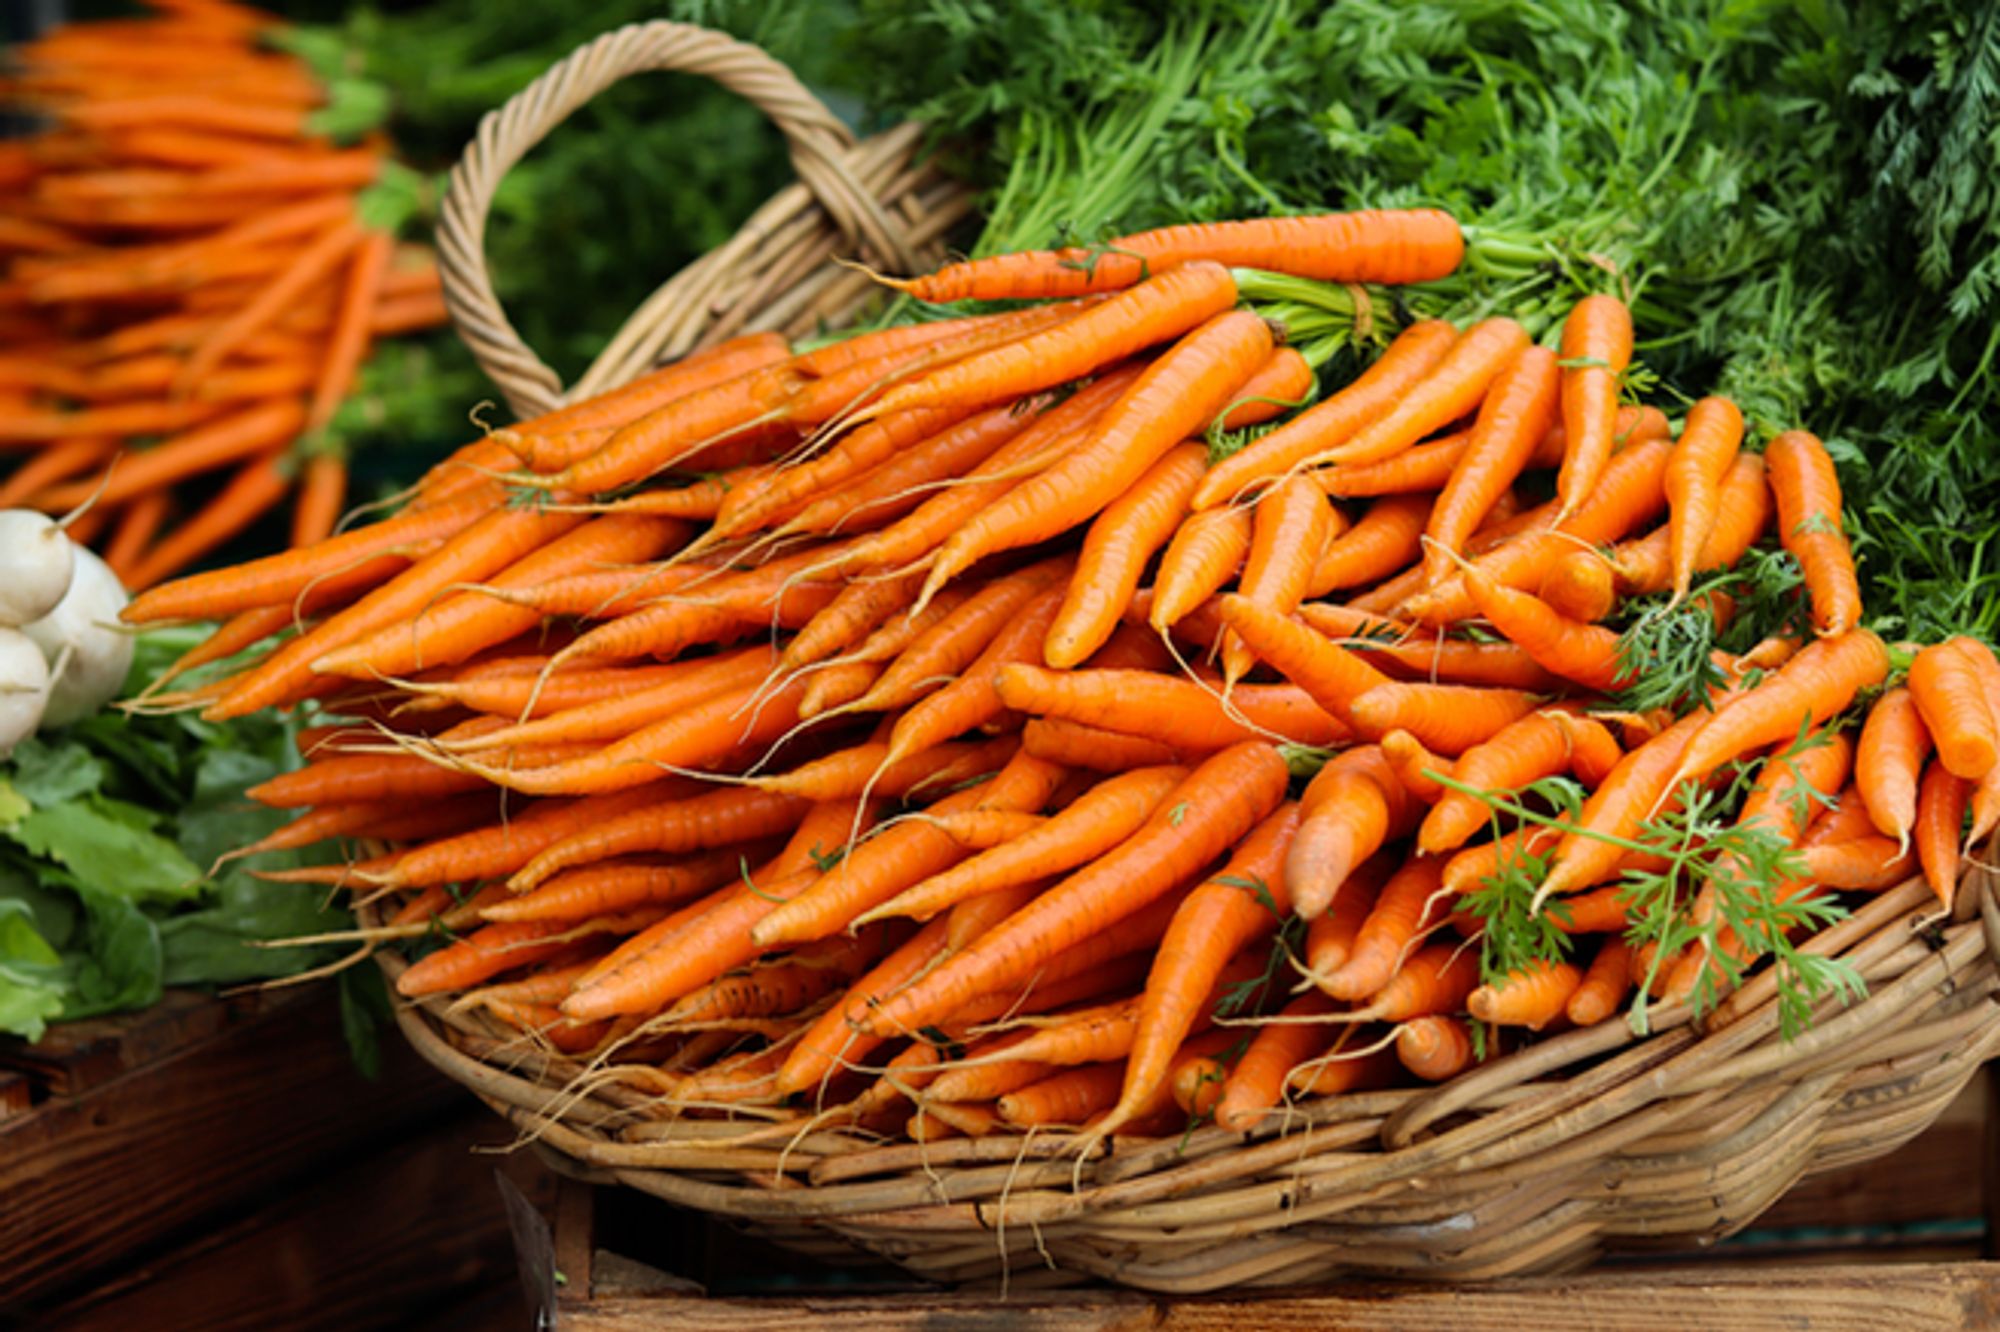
(1534,1163)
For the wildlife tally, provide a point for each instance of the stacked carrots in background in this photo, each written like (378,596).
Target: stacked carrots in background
(997,721)
(196,269)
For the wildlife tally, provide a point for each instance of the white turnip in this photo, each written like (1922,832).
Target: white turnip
(88,651)
(36,563)
(24,688)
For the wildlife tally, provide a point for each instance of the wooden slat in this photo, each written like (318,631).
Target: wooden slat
(399,1232)
(88,1180)
(73,1057)
(17,1095)
(1907,1297)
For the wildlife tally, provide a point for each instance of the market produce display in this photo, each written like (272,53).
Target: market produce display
(1060,717)
(201,249)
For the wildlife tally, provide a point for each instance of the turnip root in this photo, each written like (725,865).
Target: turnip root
(36,563)
(24,688)
(88,652)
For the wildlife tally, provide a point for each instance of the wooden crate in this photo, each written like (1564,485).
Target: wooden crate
(1902,1242)
(222,1164)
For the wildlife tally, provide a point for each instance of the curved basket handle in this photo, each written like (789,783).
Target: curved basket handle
(819,144)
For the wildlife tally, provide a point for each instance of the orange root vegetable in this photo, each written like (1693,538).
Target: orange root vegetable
(1212,808)
(1530,998)
(1809,525)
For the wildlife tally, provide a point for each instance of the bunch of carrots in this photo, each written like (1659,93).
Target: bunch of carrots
(195,271)
(930,732)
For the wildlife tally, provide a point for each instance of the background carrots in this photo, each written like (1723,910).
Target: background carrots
(202,261)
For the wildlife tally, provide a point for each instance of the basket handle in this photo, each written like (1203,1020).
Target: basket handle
(818,142)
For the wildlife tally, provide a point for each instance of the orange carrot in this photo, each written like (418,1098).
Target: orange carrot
(1941,804)
(1448,718)
(833,1038)
(1334,677)
(1810,688)
(1868,864)
(492,949)
(349,342)
(1410,902)
(310,266)
(1075,745)
(1203,555)
(1596,348)
(1415,766)
(245,434)
(1181,391)
(1604,986)
(1809,524)
(1580,587)
(497,850)
(1531,997)
(902,856)
(1351,807)
(1388,538)
(250,494)
(1427,466)
(1290,528)
(1623,801)
(1120,542)
(1096,823)
(859,610)
(955,642)
(984,829)
(900,483)
(1695,471)
(643,701)
(1435,1048)
(1455,384)
(1588,654)
(1214,806)
(137,527)
(972,701)
(869,769)
(1524,751)
(1629,493)
(1894,744)
(698,823)
(457,627)
(1329,424)
(1519,407)
(1285,380)
(1162,307)
(1214,923)
(278,579)
(1389,246)
(1646,564)
(1412,651)
(489,545)
(703,733)
(1180,713)
(622,885)
(1951,700)
(1593,750)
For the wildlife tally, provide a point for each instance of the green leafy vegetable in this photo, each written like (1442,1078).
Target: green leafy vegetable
(104,829)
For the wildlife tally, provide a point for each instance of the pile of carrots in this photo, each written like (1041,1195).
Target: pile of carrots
(926,732)
(194,274)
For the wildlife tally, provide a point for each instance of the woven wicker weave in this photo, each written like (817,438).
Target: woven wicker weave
(872,201)
(1534,1163)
